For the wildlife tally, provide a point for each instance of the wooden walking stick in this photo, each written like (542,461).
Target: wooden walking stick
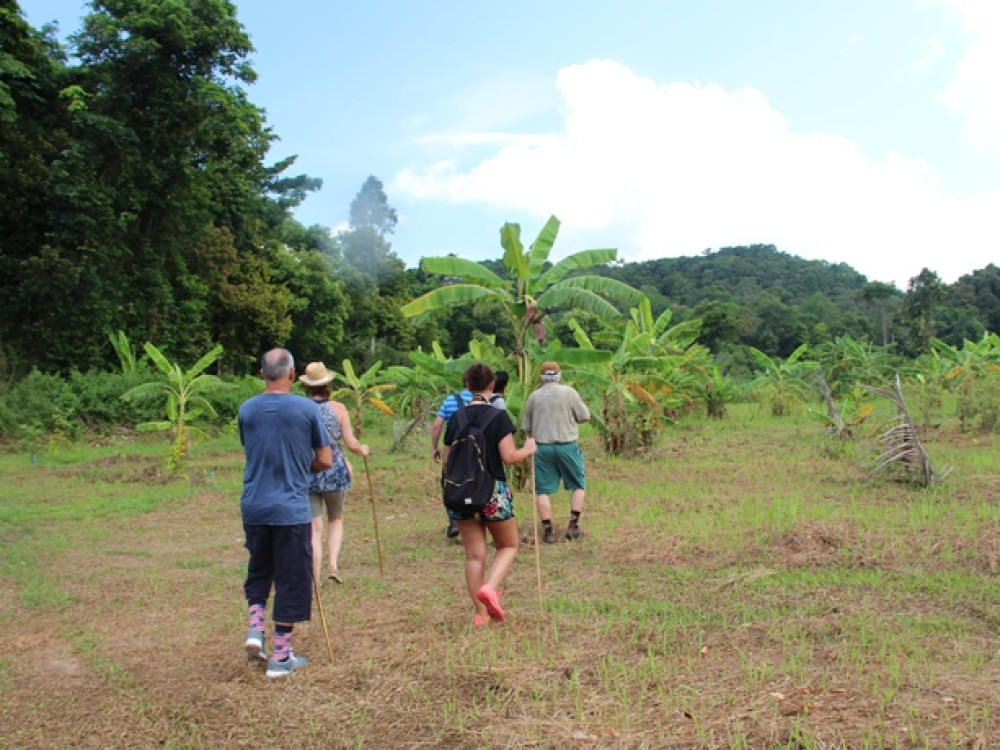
(322,618)
(534,525)
(371,494)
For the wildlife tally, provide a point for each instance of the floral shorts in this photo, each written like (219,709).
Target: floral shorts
(499,508)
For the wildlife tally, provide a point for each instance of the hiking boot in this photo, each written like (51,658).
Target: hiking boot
(573,531)
(277,668)
(549,535)
(452,531)
(254,645)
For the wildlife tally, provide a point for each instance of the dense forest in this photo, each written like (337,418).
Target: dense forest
(136,195)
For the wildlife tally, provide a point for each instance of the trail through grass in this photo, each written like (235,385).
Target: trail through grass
(744,586)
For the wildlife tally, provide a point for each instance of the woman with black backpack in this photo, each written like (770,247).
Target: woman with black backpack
(479,442)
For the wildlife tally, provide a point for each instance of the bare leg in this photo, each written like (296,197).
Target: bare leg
(335,533)
(474,541)
(317,545)
(506,540)
(544,508)
(576,500)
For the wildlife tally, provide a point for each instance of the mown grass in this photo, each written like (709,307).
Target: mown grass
(744,585)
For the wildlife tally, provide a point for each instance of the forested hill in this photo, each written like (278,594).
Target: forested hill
(739,273)
(759,296)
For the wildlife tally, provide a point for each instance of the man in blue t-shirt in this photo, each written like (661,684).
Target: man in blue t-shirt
(448,407)
(285,443)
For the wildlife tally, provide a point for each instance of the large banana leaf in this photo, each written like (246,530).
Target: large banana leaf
(583,357)
(576,261)
(681,335)
(466,270)
(562,297)
(513,251)
(542,246)
(144,391)
(579,335)
(446,296)
(664,320)
(158,359)
(205,361)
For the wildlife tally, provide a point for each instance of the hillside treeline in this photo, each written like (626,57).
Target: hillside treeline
(137,195)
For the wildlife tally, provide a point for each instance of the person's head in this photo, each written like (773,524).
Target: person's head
(277,365)
(500,378)
(478,377)
(316,380)
(550,372)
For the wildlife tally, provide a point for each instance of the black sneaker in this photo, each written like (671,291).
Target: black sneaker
(573,531)
(452,531)
(549,537)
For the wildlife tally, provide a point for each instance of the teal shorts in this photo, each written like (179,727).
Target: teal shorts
(559,461)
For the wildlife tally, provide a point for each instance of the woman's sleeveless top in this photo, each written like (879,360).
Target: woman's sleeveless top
(337,477)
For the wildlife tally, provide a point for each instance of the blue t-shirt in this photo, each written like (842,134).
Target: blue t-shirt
(280,433)
(450,404)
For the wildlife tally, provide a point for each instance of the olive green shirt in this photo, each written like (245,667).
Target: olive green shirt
(553,414)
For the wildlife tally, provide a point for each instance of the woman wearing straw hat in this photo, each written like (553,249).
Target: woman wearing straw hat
(328,489)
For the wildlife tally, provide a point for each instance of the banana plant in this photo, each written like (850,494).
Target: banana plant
(782,384)
(840,418)
(361,390)
(532,292)
(637,384)
(716,391)
(185,393)
(848,363)
(969,365)
(125,351)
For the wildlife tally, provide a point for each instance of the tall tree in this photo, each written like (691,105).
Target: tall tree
(375,281)
(161,217)
(925,295)
(880,294)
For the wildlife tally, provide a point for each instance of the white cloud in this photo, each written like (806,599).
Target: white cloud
(933,51)
(668,170)
(974,91)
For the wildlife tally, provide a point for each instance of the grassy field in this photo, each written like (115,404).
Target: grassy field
(743,586)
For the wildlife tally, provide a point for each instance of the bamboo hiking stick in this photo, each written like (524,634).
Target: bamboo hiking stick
(534,525)
(322,618)
(371,494)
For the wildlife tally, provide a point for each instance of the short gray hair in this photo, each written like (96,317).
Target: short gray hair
(275,364)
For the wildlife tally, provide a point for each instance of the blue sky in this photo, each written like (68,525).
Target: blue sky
(848,131)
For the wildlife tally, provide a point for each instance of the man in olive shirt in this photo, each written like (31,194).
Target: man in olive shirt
(552,416)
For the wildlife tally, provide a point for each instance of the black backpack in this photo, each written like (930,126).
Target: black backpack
(467,483)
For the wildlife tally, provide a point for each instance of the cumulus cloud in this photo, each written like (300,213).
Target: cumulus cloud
(671,169)
(974,91)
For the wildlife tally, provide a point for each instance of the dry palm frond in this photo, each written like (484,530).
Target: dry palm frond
(897,447)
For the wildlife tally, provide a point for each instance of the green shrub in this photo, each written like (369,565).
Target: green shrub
(100,403)
(227,403)
(39,405)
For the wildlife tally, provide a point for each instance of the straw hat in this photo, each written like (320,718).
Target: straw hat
(549,368)
(316,374)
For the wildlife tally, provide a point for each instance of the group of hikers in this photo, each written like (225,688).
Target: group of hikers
(296,472)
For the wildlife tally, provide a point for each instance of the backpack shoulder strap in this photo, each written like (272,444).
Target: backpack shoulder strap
(461,417)
(493,414)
